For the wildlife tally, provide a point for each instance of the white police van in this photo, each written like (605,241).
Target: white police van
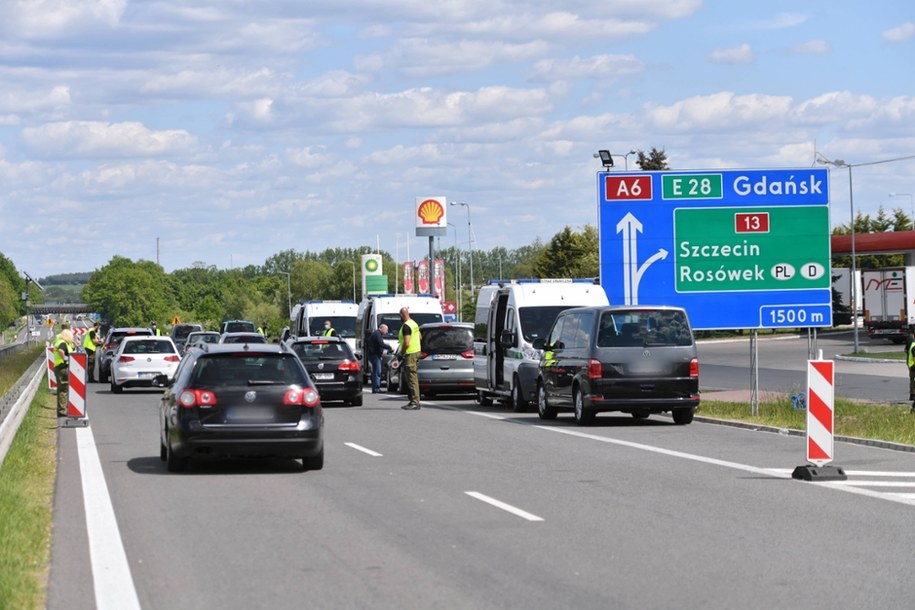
(308,319)
(510,315)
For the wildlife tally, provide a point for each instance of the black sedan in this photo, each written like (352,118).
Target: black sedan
(332,366)
(240,400)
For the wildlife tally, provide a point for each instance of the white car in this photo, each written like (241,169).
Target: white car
(139,359)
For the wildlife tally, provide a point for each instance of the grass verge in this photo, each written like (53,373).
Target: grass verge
(883,422)
(26,506)
(12,366)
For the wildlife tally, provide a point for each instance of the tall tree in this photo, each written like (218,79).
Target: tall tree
(654,160)
(130,294)
(570,254)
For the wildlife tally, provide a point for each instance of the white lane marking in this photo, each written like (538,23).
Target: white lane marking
(111,576)
(777,473)
(506,507)
(870,483)
(489,415)
(363,449)
(864,473)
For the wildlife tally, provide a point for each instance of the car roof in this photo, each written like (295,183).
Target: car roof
(230,348)
(130,329)
(316,339)
(461,325)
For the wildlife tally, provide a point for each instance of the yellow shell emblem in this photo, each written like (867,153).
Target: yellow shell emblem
(431,212)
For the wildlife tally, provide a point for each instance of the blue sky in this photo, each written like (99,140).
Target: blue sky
(233,129)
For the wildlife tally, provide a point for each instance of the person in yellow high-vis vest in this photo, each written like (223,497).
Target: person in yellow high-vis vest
(910,362)
(91,341)
(409,340)
(63,347)
(329,330)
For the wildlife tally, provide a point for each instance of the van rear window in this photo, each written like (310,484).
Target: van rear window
(644,328)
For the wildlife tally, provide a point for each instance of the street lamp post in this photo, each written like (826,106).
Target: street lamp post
(469,241)
(911,204)
(854,274)
(354,278)
(457,272)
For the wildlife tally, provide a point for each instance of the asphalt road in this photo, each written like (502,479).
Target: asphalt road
(725,365)
(406,514)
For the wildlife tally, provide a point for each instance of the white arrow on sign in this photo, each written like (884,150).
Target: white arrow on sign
(632,271)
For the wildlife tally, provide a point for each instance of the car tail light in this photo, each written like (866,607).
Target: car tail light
(349,365)
(422,355)
(126,359)
(173,358)
(197,398)
(468,354)
(595,370)
(308,397)
(694,367)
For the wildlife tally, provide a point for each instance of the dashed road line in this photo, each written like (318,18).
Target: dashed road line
(363,449)
(506,507)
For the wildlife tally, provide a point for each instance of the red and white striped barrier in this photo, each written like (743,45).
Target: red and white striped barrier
(820,411)
(821,393)
(52,380)
(76,400)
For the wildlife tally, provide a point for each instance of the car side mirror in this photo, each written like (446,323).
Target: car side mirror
(539,343)
(507,339)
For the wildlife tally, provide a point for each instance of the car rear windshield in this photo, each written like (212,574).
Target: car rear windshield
(253,338)
(149,346)
(445,340)
(344,325)
(183,330)
(239,327)
(322,351)
(245,369)
(643,327)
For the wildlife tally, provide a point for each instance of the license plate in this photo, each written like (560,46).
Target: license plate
(249,414)
(146,375)
(323,376)
(444,356)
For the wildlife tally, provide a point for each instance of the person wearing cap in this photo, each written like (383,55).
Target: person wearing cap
(154,327)
(63,347)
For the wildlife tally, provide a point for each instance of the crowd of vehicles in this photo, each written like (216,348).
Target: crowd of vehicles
(554,343)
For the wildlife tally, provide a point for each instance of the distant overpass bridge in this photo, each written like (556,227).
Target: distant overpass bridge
(44,309)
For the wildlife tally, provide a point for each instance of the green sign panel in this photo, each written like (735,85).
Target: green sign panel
(691,186)
(751,248)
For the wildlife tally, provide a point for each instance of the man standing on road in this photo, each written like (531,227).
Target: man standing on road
(409,347)
(91,341)
(63,347)
(375,347)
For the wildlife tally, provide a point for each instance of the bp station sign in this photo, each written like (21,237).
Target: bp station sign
(738,249)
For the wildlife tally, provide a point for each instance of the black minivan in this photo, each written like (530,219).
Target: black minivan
(636,359)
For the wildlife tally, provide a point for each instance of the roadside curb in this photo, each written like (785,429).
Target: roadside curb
(794,432)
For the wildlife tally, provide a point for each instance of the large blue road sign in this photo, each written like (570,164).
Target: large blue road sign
(735,248)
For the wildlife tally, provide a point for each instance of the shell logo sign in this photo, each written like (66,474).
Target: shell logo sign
(431,218)
(430,212)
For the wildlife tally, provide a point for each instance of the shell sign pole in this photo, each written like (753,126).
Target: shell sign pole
(431,222)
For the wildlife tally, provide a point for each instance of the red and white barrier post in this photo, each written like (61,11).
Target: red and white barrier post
(52,380)
(76,399)
(820,423)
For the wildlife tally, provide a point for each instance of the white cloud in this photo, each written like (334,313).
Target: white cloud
(47,18)
(594,67)
(718,111)
(741,54)
(902,33)
(812,47)
(96,139)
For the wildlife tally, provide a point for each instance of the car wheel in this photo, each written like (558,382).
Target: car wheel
(544,410)
(314,462)
(115,388)
(484,399)
(519,405)
(163,451)
(102,377)
(683,416)
(174,463)
(356,402)
(583,417)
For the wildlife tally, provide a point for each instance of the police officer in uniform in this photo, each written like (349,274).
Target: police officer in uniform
(91,341)
(409,340)
(63,347)
(329,329)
